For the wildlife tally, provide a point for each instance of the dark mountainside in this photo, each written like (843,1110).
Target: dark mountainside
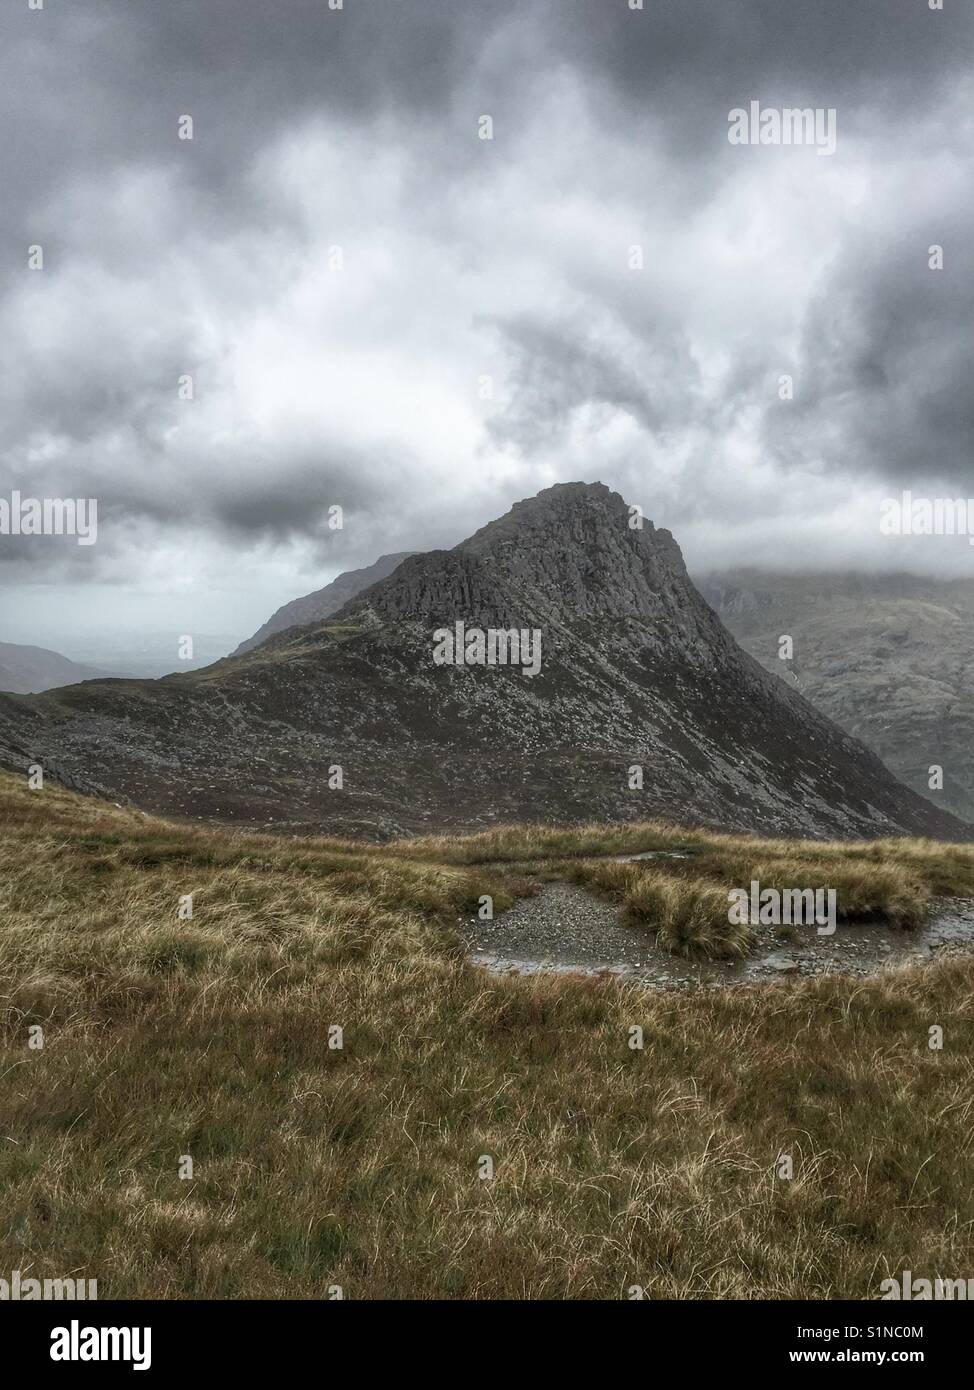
(314,608)
(890,657)
(636,669)
(28,670)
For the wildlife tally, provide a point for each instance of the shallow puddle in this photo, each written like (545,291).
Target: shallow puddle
(567,930)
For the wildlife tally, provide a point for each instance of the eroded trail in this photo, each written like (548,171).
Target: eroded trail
(570,930)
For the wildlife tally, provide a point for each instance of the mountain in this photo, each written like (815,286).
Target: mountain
(314,608)
(636,670)
(26,670)
(890,657)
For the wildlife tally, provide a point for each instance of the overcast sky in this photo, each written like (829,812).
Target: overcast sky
(462,259)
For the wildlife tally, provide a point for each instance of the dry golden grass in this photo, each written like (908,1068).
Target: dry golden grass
(358,1167)
(940,868)
(519,843)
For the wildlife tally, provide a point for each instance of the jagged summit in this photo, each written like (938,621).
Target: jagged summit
(635,672)
(571,552)
(586,528)
(568,552)
(562,504)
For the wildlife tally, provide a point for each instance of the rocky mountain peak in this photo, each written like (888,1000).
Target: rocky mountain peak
(633,673)
(574,552)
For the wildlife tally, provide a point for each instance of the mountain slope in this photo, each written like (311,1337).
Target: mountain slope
(890,657)
(27,670)
(636,670)
(324,602)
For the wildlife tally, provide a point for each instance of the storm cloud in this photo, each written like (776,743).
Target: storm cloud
(338,293)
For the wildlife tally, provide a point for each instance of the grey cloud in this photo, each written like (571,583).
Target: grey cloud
(559,366)
(686,53)
(886,357)
(162,256)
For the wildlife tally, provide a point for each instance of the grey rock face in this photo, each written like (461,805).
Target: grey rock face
(566,555)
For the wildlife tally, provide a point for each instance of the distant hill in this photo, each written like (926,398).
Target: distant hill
(890,657)
(324,602)
(636,669)
(29,670)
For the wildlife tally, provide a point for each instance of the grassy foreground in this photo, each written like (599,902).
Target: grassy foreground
(315,1166)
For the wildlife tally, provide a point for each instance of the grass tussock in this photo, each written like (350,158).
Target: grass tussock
(689,916)
(688,905)
(211,1037)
